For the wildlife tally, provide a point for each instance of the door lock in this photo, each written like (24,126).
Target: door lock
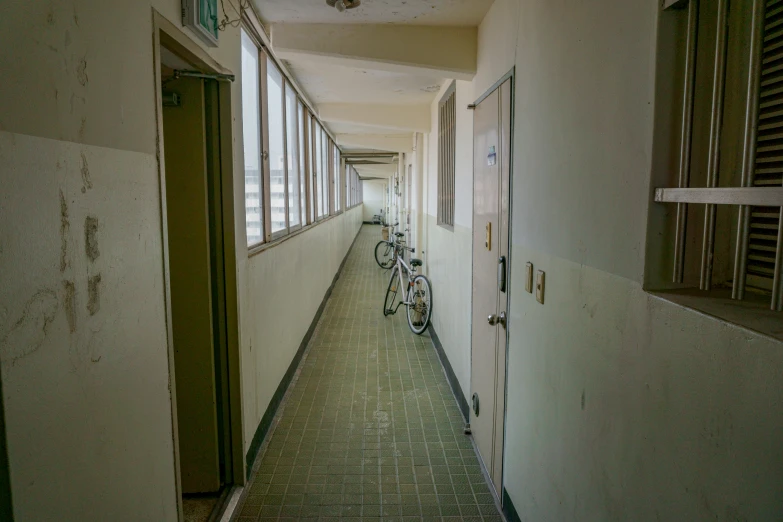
(494,320)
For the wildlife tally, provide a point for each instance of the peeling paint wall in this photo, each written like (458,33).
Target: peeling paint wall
(621,406)
(83,343)
(82,312)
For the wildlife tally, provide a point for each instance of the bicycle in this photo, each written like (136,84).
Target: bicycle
(386,250)
(418,292)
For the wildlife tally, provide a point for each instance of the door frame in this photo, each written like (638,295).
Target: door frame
(510,75)
(166,34)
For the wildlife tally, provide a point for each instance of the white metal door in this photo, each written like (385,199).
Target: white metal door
(491,153)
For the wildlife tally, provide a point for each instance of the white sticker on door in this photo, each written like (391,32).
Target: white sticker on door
(492,157)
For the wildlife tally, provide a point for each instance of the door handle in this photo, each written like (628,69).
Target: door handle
(494,320)
(502,274)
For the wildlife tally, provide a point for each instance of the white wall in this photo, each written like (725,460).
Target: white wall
(86,389)
(621,406)
(374,198)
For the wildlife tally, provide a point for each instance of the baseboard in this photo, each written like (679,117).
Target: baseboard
(508,508)
(456,389)
(274,404)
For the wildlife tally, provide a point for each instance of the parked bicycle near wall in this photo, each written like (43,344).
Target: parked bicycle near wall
(387,249)
(416,292)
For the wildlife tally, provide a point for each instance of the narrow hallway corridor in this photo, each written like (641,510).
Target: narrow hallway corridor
(369,428)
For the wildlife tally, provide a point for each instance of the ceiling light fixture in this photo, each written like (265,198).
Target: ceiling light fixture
(342,5)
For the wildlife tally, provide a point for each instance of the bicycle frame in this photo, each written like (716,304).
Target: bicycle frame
(410,273)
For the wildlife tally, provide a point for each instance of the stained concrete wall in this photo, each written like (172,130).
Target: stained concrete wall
(621,406)
(82,313)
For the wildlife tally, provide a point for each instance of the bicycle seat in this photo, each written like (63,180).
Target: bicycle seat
(416,262)
(399,234)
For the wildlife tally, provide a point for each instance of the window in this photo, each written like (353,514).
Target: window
(337,177)
(292,157)
(276,133)
(325,171)
(251,130)
(319,189)
(313,170)
(447,145)
(721,211)
(302,163)
(290,161)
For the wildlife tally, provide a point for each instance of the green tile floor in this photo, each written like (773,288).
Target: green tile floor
(369,429)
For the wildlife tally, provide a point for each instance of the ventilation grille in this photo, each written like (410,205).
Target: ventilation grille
(764,221)
(447,141)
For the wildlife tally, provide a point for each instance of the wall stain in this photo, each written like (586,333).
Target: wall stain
(86,179)
(81,72)
(74,97)
(83,128)
(64,228)
(90,238)
(94,294)
(67,38)
(70,304)
(28,333)
(583,399)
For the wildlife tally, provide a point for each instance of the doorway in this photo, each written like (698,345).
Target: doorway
(194,126)
(491,268)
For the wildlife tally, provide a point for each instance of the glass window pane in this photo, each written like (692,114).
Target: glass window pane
(325,171)
(313,168)
(336,170)
(274,87)
(319,160)
(292,156)
(303,171)
(251,130)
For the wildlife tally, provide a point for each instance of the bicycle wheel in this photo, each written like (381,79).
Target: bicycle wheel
(384,254)
(420,308)
(391,293)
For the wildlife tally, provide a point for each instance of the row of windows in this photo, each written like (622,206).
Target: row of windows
(293,174)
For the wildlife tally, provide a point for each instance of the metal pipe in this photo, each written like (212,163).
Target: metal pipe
(777,281)
(686,138)
(178,73)
(749,147)
(718,87)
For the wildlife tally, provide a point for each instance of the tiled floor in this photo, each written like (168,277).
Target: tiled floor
(370,428)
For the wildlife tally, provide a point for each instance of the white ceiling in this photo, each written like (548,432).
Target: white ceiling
(418,12)
(329,83)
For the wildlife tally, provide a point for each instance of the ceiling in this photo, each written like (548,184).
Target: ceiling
(329,83)
(414,12)
(370,82)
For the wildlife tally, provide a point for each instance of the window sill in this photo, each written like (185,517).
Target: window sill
(263,247)
(753,313)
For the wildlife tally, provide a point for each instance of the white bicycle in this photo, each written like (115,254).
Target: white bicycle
(416,293)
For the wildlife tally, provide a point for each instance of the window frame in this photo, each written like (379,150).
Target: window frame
(310,168)
(675,269)
(285,230)
(260,73)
